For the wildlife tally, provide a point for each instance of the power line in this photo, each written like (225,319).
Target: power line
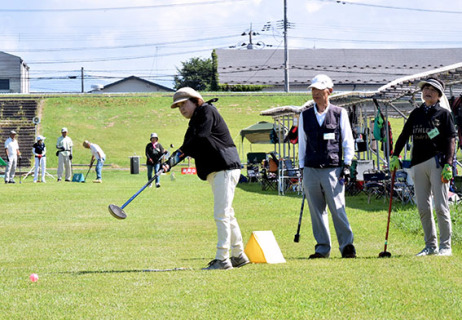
(392,7)
(121,8)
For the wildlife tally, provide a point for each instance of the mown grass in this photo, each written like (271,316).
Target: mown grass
(92,266)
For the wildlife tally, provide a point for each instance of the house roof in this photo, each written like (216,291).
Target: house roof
(138,79)
(403,87)
(345,66)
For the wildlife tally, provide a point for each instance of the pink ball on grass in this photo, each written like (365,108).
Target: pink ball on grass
(33,277)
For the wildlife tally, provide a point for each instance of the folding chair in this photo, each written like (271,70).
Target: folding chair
(269,174)
(402,189)
(375,184)
(289,177)
(254,160)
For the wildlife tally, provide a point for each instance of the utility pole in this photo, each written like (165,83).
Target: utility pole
(286,52)
(81,75)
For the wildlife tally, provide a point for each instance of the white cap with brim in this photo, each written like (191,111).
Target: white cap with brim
(40,138)
(184,94)
(13,132)
(64,129)
(434,83)
(154,135)
(321,82)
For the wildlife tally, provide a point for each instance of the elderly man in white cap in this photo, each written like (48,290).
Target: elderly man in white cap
(324,136)
(154,152)
(209,142)
(12,155)
(64,153)
(432,129)
(39,150)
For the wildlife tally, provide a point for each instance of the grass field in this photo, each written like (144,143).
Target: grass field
(92,266)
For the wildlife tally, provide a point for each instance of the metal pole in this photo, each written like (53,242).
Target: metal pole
(286,53)
(81,75)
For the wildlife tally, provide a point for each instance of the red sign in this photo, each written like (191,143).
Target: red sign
(188,171)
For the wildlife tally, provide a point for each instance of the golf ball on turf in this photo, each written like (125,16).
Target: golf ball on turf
(33,277)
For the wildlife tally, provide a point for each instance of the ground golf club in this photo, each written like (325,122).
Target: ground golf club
(118,212)
(385,253)
(297,235)
(91,164)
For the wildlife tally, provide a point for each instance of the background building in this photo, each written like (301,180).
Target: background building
(14,74)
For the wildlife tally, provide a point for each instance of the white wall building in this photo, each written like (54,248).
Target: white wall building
(14,74)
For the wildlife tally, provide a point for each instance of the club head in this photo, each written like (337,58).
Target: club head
(171,145)
(384,254)
(297,238)
(117,212)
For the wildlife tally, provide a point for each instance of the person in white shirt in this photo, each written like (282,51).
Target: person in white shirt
(98,154)
(325,135)
(12,155)
(64,153)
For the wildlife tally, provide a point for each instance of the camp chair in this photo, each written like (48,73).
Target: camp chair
(402,189)
(289,177)
(375,184)
(254,161)
(269,173)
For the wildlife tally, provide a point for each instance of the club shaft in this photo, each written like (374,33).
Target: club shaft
(144,187)
(301,215)
(389,207)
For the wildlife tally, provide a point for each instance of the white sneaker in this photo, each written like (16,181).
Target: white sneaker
(447,252)
(427,252)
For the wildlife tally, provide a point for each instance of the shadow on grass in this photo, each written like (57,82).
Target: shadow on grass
(84,272)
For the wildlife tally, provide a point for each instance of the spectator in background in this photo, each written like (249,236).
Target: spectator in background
(154,152)
(325,137)
(98,154)
(39,150)
(432,129)
(64,154)
(12,155)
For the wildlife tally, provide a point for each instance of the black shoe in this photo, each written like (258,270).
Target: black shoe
(12,181)
(349,251)
(67,180)
(240,261)
(316,255)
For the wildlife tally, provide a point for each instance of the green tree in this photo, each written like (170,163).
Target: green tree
(215,85)
(196,73)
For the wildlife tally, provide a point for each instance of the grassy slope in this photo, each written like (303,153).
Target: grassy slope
(90,265)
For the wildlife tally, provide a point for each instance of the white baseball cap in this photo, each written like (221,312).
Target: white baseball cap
(321,82)
(13,132)
(154,135)
(40,138)
(64,129)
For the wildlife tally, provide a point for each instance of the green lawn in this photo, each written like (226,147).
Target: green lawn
(92,266)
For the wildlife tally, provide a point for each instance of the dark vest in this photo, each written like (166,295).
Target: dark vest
(324,143)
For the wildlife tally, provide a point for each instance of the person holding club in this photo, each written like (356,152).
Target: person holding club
(39,150)
(209,142)
(324,133)
(432,129)
(98,154)
(154,152)
(12,155)
(64,145)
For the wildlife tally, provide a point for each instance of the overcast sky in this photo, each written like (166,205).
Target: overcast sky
(113,39)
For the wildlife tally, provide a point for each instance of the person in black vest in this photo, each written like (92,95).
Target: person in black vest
(433,133)
(209,142)
(39,150)
(324,135)
(154,152)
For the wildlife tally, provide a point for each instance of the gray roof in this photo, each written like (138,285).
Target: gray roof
(138,79)
(345,66)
